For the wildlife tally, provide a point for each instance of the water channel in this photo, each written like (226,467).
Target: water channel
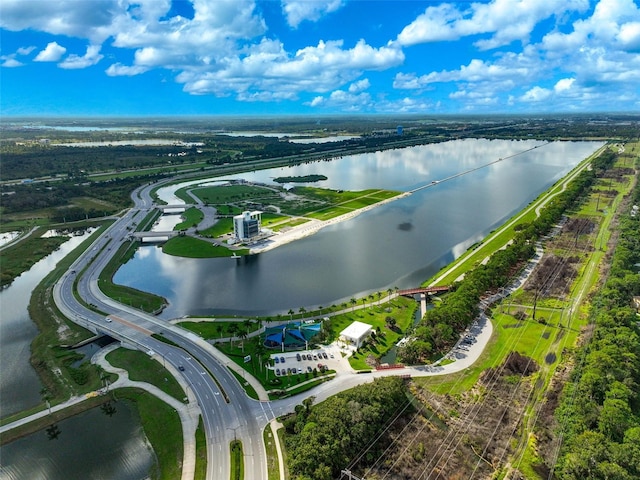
(399,244)
(91,445)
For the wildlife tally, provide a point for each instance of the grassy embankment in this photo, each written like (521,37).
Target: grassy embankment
(319,204)
(48,354)
(273,466)
(542,341)
(145,301)
(20,257)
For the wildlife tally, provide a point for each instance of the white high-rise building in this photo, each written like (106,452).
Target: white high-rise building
(247,225)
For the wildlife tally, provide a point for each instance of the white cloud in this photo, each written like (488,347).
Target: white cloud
(296,11)
(91,57)
(536,94)
(52,53)
(268,68)
(507,20)
(9,61)
(119,70)
(25,50)
(629,36)
(72,18)
(344,101)
(359,86)
(564,85)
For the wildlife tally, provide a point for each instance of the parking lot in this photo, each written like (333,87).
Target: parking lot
(289,363)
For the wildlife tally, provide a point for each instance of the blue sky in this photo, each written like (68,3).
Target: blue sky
(252,57)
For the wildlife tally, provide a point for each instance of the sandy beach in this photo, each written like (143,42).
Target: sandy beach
(311,227)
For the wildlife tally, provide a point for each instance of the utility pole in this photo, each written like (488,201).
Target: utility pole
(349,475)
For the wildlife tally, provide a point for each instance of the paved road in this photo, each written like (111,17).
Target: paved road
(240,417)
(223,421)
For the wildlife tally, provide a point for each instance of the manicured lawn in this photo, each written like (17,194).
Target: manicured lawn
(216,329)
(222,226)
(142,368)
(230,193)
(185,246)
(192,217)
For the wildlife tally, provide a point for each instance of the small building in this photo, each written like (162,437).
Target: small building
(247,225)
(355,334)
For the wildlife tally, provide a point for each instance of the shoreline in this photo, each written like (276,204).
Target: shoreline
(313,226)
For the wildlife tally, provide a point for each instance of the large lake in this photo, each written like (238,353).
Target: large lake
(401,244)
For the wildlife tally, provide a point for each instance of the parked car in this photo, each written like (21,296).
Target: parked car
(299,370)
(309,369)
(281,359)
(324,355)
(277,371)
(298,356)
(276,359)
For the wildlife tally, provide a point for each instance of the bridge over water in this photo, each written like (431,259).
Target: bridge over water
(154,236)
(413,291)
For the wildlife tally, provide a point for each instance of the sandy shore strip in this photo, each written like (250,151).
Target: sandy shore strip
(312,226)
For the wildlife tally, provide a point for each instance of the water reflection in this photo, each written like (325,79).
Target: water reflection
(105,442)
(19,384)
(369,252)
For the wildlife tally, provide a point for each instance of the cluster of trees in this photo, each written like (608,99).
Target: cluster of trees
(112,194)
(440,327)
(322,439)
(599,413)
(77,161)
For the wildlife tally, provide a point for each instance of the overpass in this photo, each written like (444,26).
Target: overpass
(180,207)
(154,236)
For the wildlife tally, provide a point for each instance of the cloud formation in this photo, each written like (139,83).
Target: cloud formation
(514,54)
(52,53)
(296,11)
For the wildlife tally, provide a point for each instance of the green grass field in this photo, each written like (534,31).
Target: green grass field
(183,246)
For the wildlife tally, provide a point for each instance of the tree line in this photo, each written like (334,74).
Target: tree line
(322,439)
(599,411)
(439,329)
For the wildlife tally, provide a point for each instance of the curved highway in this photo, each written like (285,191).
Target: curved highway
(240,417)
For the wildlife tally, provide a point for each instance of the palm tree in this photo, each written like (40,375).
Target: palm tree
(46,396)
(290,312)
(247,324)
(259,352)
(302,310)
(353,302)
(233,330)
(389,291)
(242,333)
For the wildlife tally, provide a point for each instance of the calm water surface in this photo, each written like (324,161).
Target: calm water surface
(91,445)
(399,244)
(19,384)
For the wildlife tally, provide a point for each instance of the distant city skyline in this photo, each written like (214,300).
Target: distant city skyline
(318,57)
